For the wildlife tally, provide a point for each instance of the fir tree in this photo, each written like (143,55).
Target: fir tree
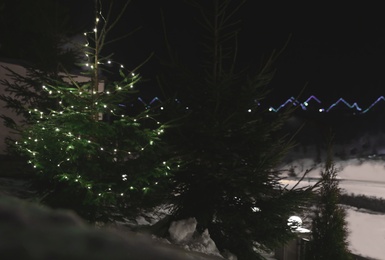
(329,227)
(228,146)
(90,151)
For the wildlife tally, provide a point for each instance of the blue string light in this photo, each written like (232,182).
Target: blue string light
(304,105)
(355,107)
(374,103)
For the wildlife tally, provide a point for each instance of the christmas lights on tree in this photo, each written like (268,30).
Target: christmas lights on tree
(90,152)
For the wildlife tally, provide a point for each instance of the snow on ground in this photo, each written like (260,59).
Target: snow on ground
(358,177)
(367,233)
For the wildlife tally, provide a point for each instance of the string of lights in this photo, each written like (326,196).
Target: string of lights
(306,105)
(324,109)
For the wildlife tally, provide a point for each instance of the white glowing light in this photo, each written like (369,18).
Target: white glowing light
(294,222)
(255,209)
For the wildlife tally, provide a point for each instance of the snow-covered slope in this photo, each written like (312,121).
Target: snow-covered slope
(359,177)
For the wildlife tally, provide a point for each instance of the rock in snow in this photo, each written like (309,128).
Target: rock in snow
(184,233)
(183,230)
(31,231)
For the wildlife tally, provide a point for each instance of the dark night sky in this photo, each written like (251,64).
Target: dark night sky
(336,49)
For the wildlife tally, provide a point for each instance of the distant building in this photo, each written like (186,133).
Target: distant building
(4,131)
(18,67)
